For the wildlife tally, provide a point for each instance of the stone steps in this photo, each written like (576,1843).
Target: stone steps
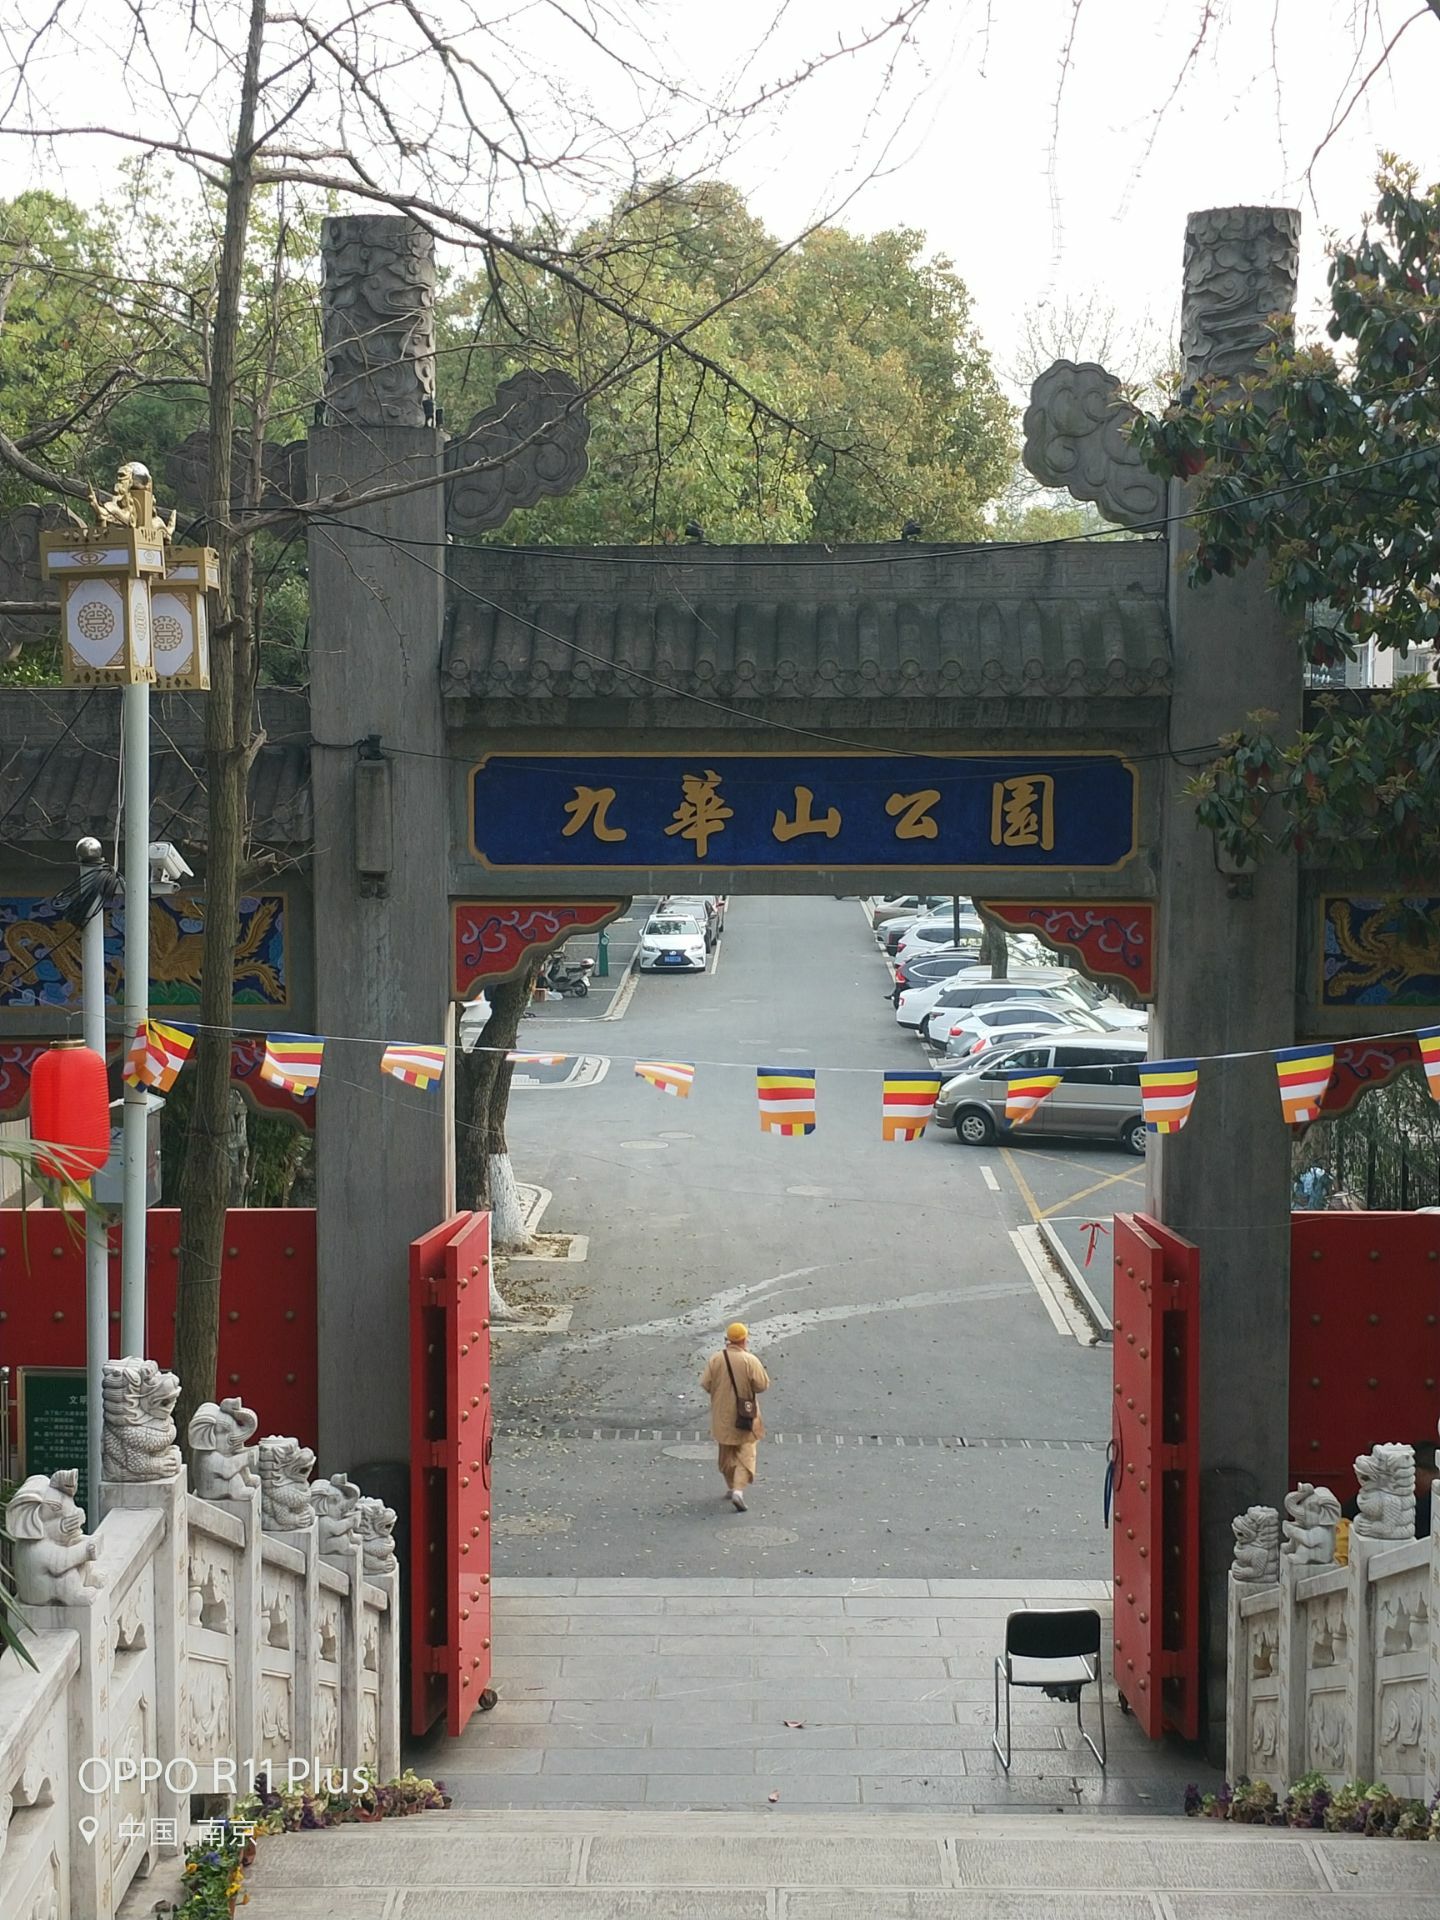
(600,1865)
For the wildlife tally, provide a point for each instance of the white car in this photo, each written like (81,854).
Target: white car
(969,1031)
(938,930)
(887,906)
(671,943)
(975,987)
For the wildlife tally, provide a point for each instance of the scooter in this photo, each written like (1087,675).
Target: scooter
(569,978)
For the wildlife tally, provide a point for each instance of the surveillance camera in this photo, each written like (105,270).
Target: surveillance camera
(167,867)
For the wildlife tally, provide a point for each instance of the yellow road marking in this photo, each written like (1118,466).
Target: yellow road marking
(1023,1184)
(1064,1160)
(1085,1192)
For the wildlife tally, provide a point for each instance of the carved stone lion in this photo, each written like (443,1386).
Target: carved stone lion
(1387,1494)
(139,1435)
(336,1501)
(377,1537)
(1310,1531)
(53,1552)
(1257,1546)
(286,1505)
(1077,437)
(223,1461)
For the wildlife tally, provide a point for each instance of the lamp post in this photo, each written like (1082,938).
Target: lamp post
(112,632)
(97,1252)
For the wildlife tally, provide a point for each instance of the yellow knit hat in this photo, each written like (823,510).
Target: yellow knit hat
(737,1333)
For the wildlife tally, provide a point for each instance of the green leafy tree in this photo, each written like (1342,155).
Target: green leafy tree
(1326,470)
(883,403)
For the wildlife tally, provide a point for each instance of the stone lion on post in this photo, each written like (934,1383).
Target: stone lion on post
(336,1501)
(53,1552)
(139,1434)
(287,1503)
(220,1452)
(1386,1507)
(1310,1531)
(377,1537)
(1257,1547)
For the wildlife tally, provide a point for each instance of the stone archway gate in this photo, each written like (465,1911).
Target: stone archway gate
(505,744)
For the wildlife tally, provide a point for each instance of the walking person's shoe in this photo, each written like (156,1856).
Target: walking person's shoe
(737,1499)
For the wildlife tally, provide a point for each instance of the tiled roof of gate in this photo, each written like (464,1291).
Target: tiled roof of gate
(738,624)
(57,785)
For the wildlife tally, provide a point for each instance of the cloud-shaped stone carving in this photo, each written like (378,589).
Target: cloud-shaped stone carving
(535,433)
(1076,437)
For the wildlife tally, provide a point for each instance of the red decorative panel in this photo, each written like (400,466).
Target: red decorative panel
(493,939)
(1108,940)
(1363,1065)
(451,1432)
(1156,1515)
(17,1058)
(268,1351)
(1364,1338)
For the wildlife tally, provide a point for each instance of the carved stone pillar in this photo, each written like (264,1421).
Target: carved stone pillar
(1225,957)
(381,938)
(377,298)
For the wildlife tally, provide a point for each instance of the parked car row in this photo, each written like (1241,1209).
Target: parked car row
(681,934)
(980,1031)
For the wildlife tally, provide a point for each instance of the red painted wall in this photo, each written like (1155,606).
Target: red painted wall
(268,1349)
(1364,1338)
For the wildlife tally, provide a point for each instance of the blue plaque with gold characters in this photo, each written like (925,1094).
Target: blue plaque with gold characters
(1068,811)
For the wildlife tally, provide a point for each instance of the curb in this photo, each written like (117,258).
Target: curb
(1075,1279)
(533,1200)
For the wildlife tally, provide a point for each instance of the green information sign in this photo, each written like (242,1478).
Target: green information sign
(52,1425)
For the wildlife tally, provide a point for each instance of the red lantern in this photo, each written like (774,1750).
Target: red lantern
(70,1111)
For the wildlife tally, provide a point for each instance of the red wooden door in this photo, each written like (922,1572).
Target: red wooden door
(451,1435)
(1156,1519)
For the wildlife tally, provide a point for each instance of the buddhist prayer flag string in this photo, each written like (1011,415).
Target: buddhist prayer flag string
(1167,1093)
(667,1076)
(414,1066)
(292,1062)
(157,1053)
(1025,1093)
(1304,1074)
(787,1099)
(907,1104)
(1429,1042)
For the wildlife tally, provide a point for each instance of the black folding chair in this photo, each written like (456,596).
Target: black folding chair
(1059,1652)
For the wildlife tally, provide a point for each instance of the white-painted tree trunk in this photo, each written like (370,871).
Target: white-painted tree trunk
(508,1233)
(507,1226)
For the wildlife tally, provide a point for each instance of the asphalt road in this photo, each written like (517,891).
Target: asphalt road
(928,1417)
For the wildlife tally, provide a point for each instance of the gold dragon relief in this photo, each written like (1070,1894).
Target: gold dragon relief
(1380,952)
(41,954)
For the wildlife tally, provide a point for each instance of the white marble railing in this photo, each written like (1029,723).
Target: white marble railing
(186,1646)
(1336,1669)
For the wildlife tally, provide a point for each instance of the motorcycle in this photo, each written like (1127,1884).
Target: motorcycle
(569,978)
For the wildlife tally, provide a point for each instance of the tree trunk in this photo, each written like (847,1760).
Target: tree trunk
(483,1173)
(997,953)
(205,1181)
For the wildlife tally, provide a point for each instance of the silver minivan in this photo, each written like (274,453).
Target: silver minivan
(1098,1096)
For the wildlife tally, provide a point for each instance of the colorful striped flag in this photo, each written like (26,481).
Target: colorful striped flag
(787,1099)
(536,1059)
(415,1066)
(157,1053)
(1024,1094)
(668,1076)
(292,1062)
(907,1104)
(1304,1074)
(1429,1040)
(1167,1093)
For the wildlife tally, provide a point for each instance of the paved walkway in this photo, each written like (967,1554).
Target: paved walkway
(618,1866)
(789,1694)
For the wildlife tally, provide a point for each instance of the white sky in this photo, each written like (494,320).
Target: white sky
(973,163)
(1028,211)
